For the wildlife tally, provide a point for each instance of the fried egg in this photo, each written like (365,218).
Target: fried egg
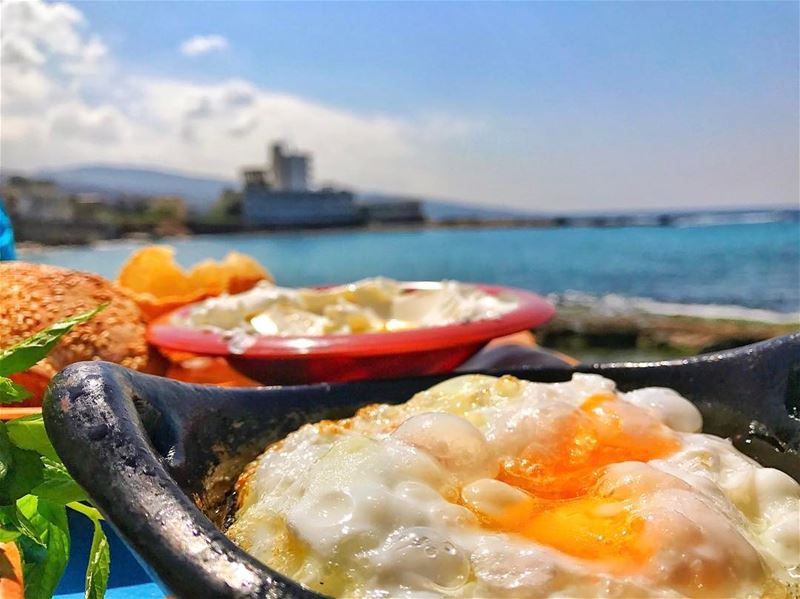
(497,487)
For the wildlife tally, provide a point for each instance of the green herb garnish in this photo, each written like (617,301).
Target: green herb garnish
(27,352)
(35,488)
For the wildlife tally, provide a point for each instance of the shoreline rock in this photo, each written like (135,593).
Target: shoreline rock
(588,331)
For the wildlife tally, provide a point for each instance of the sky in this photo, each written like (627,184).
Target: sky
(551,106)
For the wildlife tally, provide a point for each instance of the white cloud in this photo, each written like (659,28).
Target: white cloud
(34,30)
(68,102)
(203,44)
(21,51)
(53,26)
(90,58)
(78,122)
(239,93)
(46,55)
(243,126)
(27,89)
(211,129)
(65,100)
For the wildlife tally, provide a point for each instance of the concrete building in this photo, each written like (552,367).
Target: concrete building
(42,212)
(290,172)
(280,196)
(37,200)
(264,207)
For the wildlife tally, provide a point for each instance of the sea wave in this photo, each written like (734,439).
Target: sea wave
(723,219)
(619,305)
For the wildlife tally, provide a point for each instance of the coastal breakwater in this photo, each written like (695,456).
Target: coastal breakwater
(617,328)
(43,232)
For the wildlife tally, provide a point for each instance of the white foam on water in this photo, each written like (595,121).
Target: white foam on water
(619,305)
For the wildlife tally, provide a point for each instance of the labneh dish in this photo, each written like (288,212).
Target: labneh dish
(368,306)
(497,487)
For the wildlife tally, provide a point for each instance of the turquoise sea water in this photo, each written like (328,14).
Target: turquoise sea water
(749,265)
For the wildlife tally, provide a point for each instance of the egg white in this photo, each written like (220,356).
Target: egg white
(374,505)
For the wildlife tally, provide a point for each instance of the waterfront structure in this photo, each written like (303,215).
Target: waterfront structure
(264,207)
(281,196)
(290,172)
(393,212)
(37,199)
(42,212)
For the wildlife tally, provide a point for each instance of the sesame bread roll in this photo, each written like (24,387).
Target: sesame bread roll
(34,296)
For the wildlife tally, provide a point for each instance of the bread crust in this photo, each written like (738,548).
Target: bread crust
(34,296)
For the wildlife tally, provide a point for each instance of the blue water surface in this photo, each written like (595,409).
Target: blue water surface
(752,265)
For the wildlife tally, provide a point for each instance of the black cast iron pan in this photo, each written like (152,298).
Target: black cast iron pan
(159,457)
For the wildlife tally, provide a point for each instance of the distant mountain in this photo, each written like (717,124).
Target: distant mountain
(115,181)
(201,192)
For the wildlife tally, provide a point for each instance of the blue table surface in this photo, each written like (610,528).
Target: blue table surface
(127,579)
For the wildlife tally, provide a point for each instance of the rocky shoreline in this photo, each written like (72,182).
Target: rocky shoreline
(591,332)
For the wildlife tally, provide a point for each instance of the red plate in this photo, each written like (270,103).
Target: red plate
(298,359)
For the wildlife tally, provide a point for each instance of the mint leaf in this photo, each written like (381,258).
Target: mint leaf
(28,432)
(58,486)
(7,516)
(87,510)
(8,524)
(6,535)
(44,566)
(10,392)
(6,457)
(23,475)
(27,352)
(24,524)
(35,486)
(97,568)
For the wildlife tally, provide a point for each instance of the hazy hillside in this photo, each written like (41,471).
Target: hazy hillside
(199,192)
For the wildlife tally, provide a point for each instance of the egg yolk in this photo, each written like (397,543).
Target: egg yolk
(603,431)
(565,509)
(590,527)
